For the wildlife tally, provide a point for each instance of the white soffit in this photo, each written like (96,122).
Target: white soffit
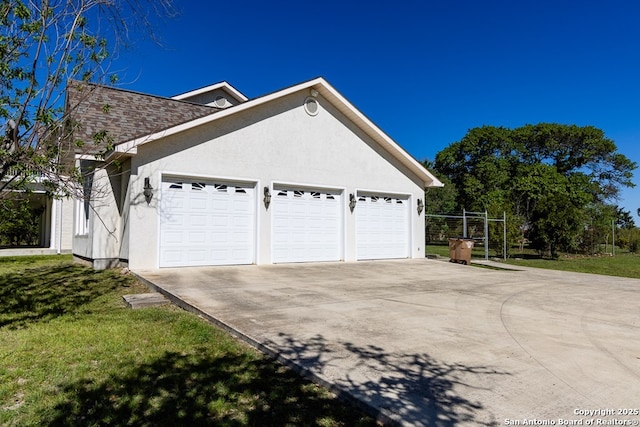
(327,92)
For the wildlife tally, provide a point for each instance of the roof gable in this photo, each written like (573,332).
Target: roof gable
(210,95)
(318,86)
(123,114)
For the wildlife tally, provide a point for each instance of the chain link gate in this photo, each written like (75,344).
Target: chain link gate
(470,225)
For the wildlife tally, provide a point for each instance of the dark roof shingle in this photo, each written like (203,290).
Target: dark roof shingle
(124,114)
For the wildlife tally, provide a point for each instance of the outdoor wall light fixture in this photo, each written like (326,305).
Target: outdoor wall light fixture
(148,190)
(352,202)
(420,206)
(313,92)
(267,197)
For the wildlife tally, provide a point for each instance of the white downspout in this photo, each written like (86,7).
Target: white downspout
(54,221)
(60,226)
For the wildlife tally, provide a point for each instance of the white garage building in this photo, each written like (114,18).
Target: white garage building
(299,175)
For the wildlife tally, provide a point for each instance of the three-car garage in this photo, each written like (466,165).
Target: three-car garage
(210,177)
(215,222)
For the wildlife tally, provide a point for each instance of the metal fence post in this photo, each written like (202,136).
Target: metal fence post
(613,237)
(464,223)
(504,234)
(486,236)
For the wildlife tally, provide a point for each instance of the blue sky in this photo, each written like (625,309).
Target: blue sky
(424,71)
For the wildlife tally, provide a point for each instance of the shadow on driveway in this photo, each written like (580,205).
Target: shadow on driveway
(408,389)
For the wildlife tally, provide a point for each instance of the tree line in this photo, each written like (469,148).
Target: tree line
(557,183)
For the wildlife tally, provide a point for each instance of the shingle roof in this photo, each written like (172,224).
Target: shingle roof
(124,114)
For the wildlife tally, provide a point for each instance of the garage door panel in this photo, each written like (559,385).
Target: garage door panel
(307,226)
(206,223)
(174,257)
(382,227)
(198,205)
(218,205)
(196,238)
(174,236)
(197,220)
(242,220)
(240,206)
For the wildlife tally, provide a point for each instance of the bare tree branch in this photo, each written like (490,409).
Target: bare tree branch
(43,45)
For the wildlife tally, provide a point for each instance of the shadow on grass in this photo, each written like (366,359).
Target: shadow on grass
(529,256)
(413,388)
(240,390)
(46,292)
(203,390)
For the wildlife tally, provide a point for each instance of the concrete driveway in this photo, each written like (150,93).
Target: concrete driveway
(432,343)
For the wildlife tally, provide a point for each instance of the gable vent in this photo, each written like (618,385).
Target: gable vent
(221,102)
(311,106)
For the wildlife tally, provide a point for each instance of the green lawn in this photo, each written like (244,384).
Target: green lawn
(72,354)
(623,265)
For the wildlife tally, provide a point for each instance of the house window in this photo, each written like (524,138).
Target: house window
(82,218)
(82,207)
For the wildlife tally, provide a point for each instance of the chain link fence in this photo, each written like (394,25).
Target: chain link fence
(488,234)
(599,238)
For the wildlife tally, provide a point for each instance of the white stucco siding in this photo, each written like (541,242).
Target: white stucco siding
(124,214)
(66,225)
(276,143)
(104,237)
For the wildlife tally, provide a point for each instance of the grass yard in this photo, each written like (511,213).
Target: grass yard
(72,354)
(623,265)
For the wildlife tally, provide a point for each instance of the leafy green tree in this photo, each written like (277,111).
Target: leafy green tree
(625,231)
(440,200)
(624,218)
(19,223)
(548,175)
(631,237)
(43,44)
(480,166)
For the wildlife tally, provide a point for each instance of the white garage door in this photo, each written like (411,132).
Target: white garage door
(307,225)
(382,227)
(206,223)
